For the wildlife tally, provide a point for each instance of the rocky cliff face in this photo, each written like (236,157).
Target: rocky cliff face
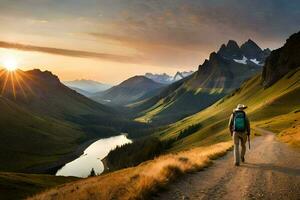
(282,60)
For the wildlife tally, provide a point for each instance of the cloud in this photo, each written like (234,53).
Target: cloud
(69,52)
(176,33)
(166,33)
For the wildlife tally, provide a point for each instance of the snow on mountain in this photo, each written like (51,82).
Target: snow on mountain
(256,61)
(242,61)
(160,78)
(167,79)
(246,61)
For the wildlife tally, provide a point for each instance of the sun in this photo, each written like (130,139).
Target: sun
(10,64)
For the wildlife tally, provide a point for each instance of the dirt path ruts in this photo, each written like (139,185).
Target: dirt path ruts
(271,171)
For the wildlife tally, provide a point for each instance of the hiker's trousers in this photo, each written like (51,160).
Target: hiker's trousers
(239,138)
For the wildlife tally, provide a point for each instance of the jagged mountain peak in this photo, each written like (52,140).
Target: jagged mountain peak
(250,43)
(230,51)
(178,76)
(251,50)
(232,44)
(213,56)
(248,53)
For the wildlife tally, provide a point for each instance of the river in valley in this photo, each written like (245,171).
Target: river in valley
(91,158)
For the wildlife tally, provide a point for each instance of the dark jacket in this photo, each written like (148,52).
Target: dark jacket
(230,125)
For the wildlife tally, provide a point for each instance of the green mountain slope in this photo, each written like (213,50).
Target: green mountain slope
(276,107)
(215,78)
(27,140)
(263,105)
(43,122)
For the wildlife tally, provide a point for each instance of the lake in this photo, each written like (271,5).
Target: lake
(92,156)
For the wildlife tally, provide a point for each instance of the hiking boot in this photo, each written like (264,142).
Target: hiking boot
(237,164)
(243,159)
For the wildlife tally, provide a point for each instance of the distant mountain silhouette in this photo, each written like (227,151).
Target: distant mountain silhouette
(128,91)
(89,86)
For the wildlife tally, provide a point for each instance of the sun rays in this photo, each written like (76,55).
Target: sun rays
(14,83)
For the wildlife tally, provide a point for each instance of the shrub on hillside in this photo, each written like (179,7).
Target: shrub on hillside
(132,154)
(189,130)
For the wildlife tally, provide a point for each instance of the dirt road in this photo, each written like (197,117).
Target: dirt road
(271,171)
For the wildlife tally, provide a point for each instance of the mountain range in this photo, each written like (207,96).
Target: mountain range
(167,79)
(216,77)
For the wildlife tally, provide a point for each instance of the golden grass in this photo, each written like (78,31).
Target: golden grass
(291,136)
(138,182)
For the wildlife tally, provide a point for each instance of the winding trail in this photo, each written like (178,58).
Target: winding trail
(271,171)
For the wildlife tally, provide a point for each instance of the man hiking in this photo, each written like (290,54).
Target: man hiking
(239,127)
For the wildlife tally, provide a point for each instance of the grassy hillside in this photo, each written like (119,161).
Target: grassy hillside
(28,140)
(265,105)
(138,182)
(19,186)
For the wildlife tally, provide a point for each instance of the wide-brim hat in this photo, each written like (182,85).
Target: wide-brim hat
(241,107)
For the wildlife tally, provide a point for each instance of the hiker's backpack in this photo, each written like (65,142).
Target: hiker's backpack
(239,121)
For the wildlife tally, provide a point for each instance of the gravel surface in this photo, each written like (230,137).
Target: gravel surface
(271,171)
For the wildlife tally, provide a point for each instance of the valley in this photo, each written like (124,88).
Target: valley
(273,109)
(173,125)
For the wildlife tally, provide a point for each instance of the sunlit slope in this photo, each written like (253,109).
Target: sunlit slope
(27,140)
(281,99)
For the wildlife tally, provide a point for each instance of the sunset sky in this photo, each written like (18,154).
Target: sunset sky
(111,40)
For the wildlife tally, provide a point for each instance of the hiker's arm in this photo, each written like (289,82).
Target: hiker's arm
(248,126)
(230,124)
